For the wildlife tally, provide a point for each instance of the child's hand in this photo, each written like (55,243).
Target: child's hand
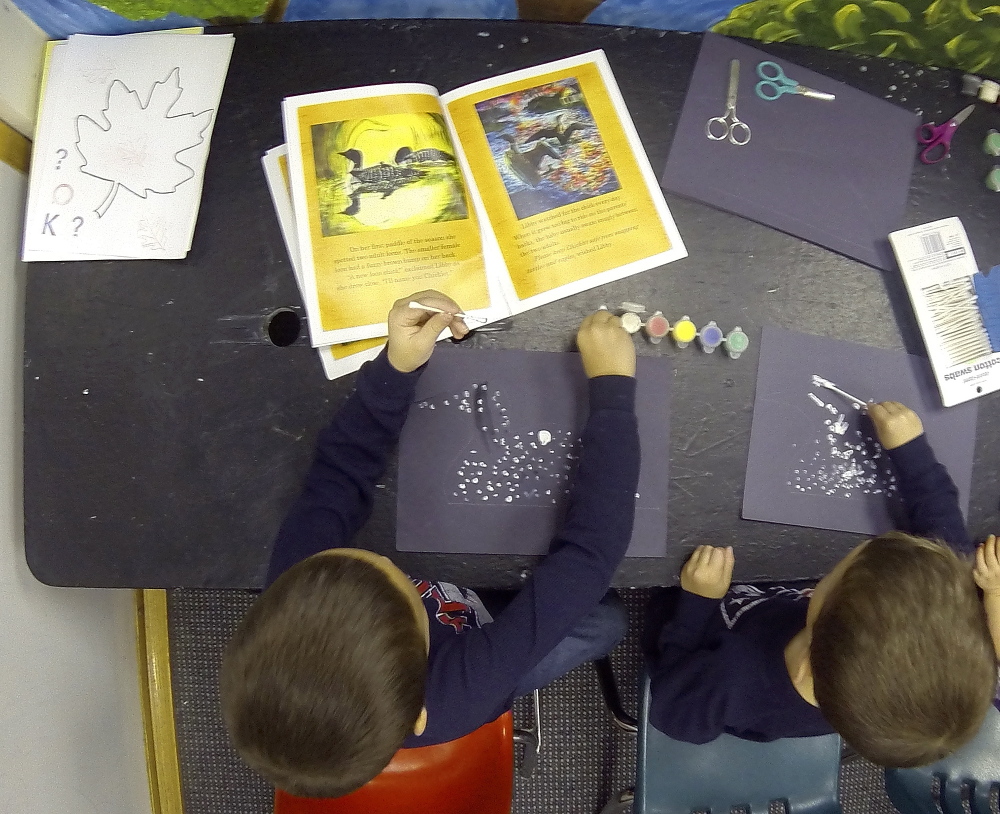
(987,567)
(895,423)
(413,332)
(709,571)
(606,348)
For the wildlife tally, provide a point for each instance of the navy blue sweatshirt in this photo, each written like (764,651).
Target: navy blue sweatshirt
(720,666)
(473,670)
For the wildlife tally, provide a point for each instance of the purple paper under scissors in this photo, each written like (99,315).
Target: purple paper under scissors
(937,137)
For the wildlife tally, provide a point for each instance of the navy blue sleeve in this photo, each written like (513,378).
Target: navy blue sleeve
(688,676)
(472,677)
(351,455)
(930,495)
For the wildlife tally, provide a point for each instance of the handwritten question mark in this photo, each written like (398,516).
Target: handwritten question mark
(62,152)
(79,222)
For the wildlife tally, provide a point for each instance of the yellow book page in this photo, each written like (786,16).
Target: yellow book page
(558,178)
(388,212)
(345,349)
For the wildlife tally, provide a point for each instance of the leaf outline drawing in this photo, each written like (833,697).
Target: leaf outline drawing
(140,145)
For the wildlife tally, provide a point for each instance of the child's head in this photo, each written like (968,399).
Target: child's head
(902,662)
(324,678)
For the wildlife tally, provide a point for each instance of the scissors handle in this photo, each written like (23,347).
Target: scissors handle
(770,71)
(769,91)
(721,120)
(928,133)
(744,129)
(938,141)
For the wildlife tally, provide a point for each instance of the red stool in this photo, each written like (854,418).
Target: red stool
(474,774)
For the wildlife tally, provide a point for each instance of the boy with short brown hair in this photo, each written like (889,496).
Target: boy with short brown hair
(344,658)
(891,648)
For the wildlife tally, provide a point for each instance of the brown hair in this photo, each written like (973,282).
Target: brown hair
(903,664)
(324,678)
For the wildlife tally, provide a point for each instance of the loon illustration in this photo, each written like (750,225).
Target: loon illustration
(526,164)
(429,155)
(384,178)
(560,131)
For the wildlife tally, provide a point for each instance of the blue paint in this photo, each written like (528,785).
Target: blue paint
(61,18)
(405,9)
(988,300)
(673,15)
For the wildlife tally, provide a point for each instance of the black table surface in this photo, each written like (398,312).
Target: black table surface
(165,436)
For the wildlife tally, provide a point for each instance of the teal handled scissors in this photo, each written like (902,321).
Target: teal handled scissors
(773,83)
(727,124)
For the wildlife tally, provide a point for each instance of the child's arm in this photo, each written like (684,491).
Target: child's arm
(352,452)
(928,491)
(475,674)
(987,574)
(689,670)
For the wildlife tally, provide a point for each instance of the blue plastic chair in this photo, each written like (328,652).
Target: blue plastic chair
(975,767)
(673,777)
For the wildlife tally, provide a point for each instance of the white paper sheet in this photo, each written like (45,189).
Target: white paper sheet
(120,150)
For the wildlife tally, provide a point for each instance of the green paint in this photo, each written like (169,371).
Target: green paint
(231,10)
(962,34)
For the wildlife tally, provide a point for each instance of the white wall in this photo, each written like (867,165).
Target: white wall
(70,720)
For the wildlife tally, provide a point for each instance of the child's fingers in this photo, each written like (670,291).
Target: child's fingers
(436,324)
(991,556)
(729,562)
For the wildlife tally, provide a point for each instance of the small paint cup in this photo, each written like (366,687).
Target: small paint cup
(971,84)
(991,144)
(736,342)
(631,322)
(684,331)
(993,180)
(710,337)
(657,327)
(989,91)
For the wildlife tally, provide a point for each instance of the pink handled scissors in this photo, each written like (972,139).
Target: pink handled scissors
(937,137)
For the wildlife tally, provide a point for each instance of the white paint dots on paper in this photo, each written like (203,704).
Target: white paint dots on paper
(535,467)
(841,462)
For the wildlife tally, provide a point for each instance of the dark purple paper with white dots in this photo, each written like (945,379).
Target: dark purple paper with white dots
(497,481)
(813,460)
(833,173)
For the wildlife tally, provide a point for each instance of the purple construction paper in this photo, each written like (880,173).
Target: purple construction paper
(504,490)
(834,173)
(817,464)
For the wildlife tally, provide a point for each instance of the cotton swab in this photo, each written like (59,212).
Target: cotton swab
(430,308)
(819,381)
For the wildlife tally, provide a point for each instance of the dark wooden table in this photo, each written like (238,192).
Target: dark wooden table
(165,435)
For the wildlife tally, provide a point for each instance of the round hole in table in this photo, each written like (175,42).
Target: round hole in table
(283,327)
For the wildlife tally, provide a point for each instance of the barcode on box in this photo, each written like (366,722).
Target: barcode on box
(932,243)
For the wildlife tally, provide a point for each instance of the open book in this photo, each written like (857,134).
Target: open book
(505,194)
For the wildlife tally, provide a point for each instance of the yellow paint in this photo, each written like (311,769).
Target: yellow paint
(157,698)
(15,149)
(684,331)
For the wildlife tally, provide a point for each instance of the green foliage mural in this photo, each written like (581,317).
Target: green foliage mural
(961,34)
(203,9)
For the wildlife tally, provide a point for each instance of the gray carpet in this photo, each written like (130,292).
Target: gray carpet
(584,758)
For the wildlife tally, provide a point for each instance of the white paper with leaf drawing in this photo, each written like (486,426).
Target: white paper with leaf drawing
(120,149)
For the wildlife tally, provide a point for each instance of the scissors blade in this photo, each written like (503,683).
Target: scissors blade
(961,116)
(815,94)
(734,83)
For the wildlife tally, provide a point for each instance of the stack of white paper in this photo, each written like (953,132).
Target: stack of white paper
(120,148)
